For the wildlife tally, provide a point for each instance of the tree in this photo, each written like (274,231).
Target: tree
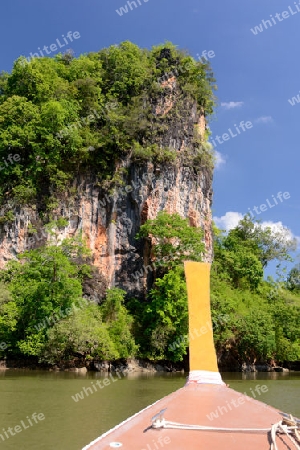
(293,279)
(119,322)
(287,318)
(126,70)
(267,243)
(81,335)
(165,318)
(246,250)
(174,239)
(255,336)
(237,260)
(8,317)
(42,283)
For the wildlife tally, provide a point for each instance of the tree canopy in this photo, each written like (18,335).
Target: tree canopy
(54,111)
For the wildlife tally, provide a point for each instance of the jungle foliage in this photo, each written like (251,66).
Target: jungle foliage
(43,312)
(64,115)
(255,320)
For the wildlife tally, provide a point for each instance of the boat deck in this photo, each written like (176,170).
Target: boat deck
(209,405)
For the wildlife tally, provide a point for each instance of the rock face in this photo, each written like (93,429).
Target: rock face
(110,222)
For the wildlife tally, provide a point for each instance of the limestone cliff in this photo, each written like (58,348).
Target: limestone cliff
(110,222)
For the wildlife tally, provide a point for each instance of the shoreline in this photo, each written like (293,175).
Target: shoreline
(134,365)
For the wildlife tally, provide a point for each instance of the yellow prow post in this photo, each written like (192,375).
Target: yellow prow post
(203,359)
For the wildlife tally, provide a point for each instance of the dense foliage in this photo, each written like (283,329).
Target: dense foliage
(43,312)
(254,319)
(175,239)
(64,115)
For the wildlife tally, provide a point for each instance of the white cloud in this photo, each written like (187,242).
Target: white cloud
(219,160)
(278,226)
(264,119)
(231,105)
(229,221)
(275,226)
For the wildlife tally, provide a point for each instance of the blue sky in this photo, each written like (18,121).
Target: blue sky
(256,75)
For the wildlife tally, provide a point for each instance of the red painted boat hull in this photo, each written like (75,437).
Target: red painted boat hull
(198,404)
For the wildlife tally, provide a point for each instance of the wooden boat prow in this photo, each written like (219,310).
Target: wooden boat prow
(205,413)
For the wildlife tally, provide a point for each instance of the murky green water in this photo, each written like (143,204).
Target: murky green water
(69,425)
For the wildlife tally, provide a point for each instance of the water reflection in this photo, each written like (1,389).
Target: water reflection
(69,425)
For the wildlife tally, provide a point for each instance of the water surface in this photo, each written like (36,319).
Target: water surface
(69,425)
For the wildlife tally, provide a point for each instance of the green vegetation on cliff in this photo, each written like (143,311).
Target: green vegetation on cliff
(63,116)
